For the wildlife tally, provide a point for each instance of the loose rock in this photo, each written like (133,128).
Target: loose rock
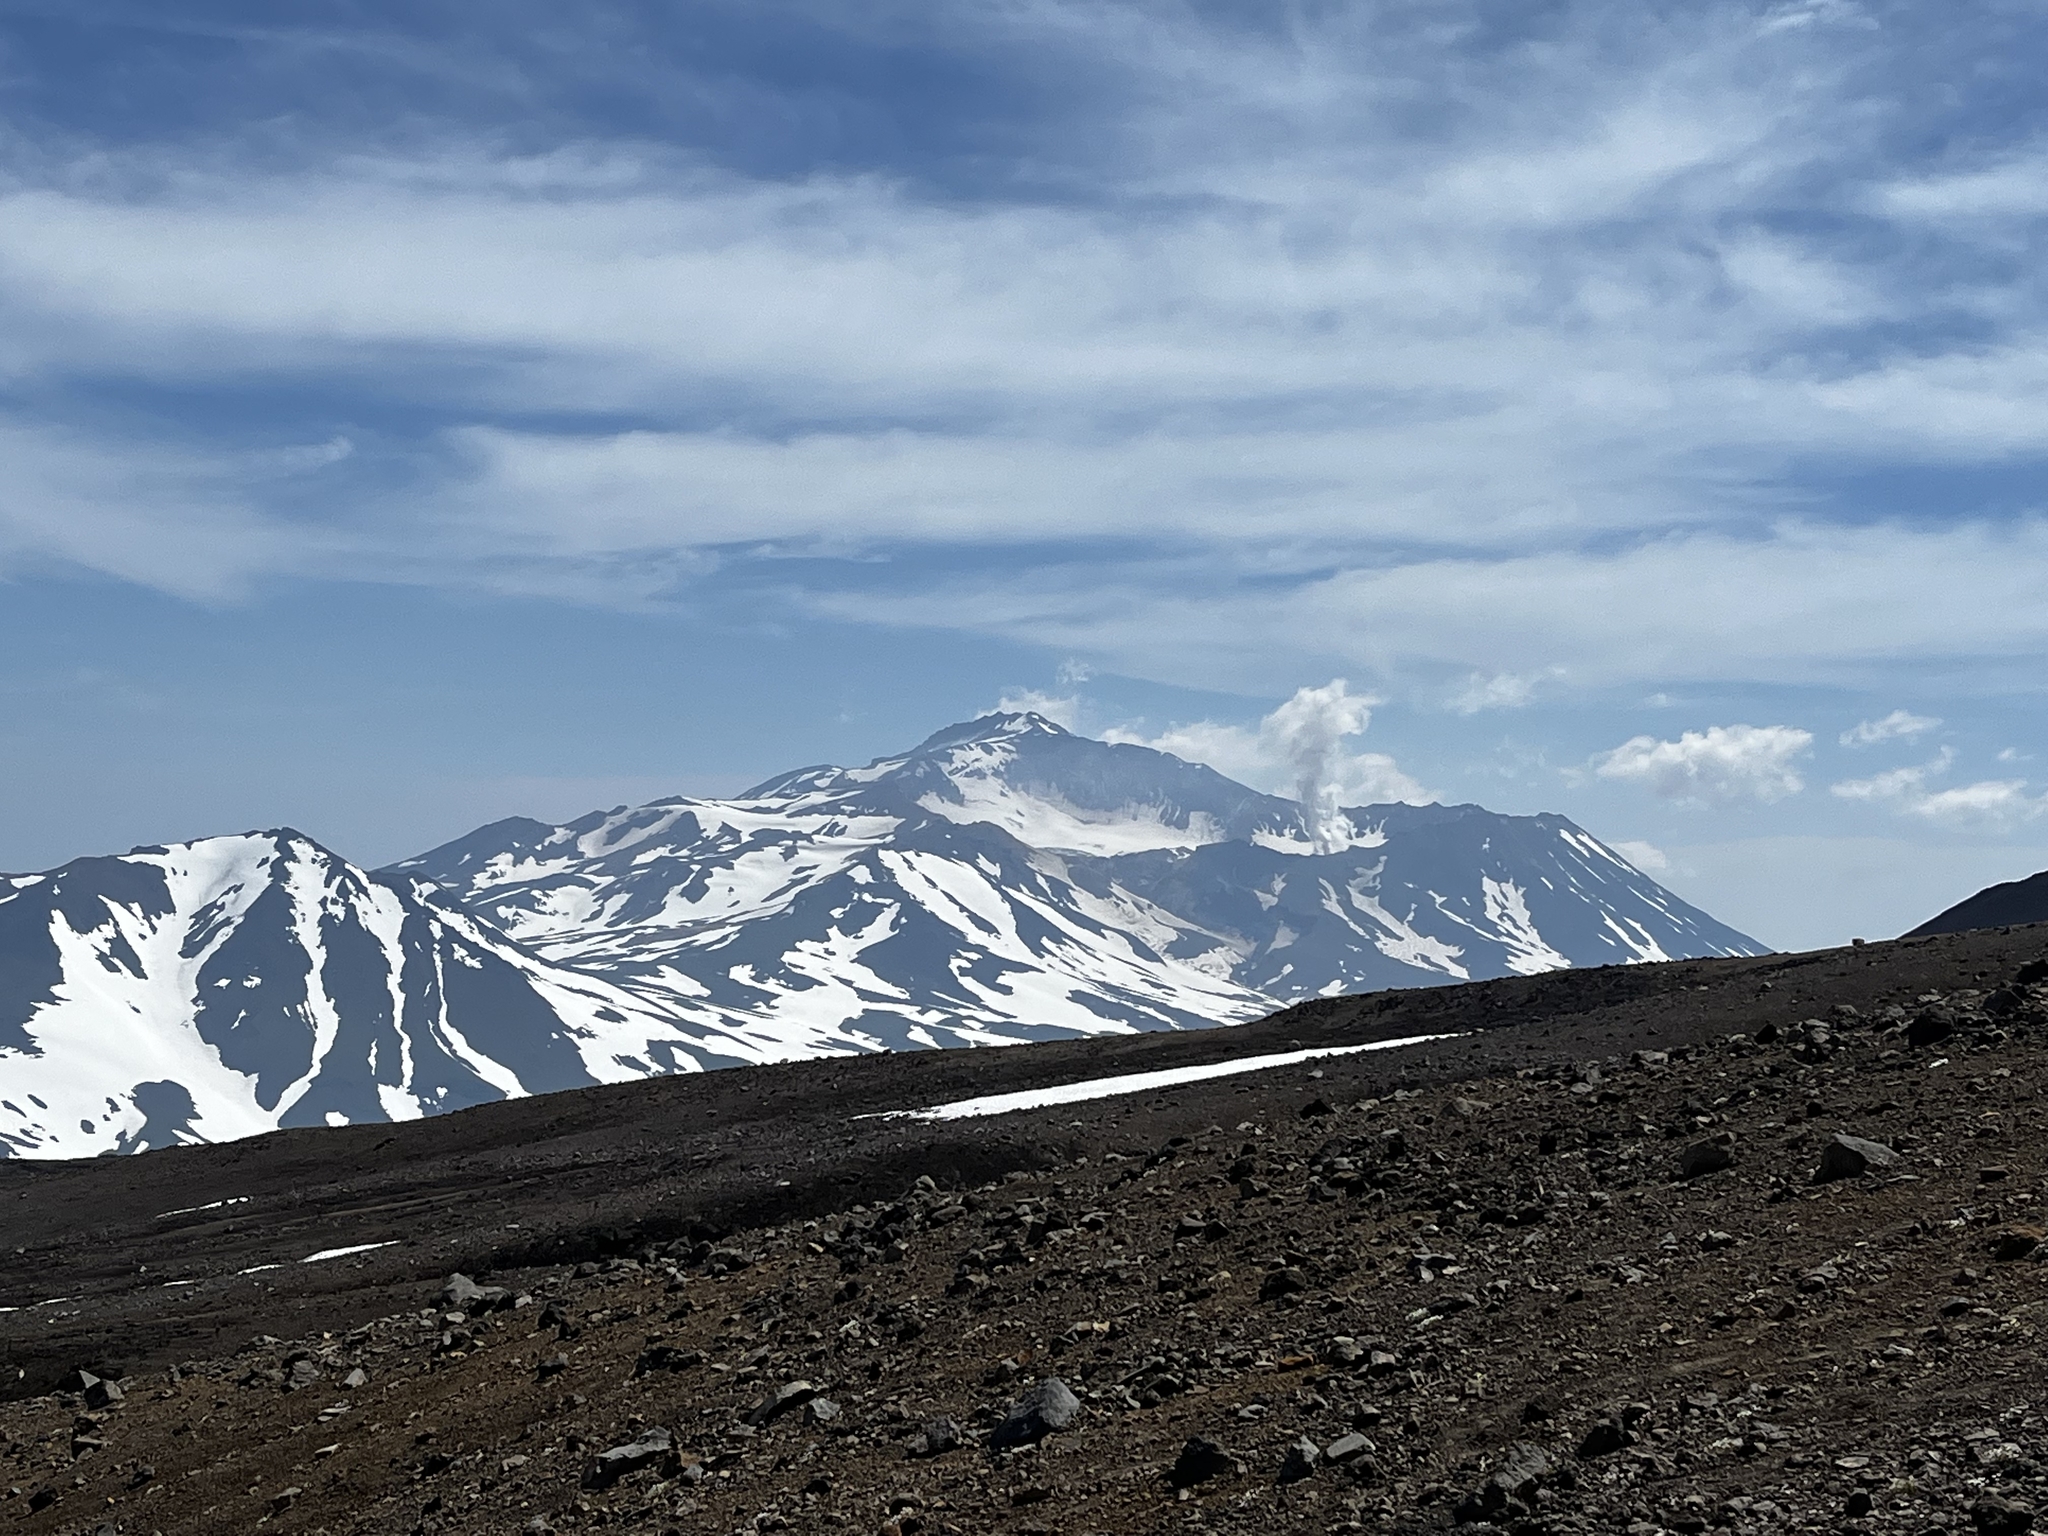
(1845,1157)
(1047,1408)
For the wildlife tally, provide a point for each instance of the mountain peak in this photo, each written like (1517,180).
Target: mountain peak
(1003,725)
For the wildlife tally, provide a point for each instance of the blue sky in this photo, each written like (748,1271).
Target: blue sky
(415,414)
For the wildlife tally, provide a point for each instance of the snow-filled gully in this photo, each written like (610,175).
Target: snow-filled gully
(1135,1082)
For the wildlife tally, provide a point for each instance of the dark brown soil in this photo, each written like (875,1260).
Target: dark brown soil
(1484,1244)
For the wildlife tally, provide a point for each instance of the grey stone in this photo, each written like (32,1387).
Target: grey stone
(1511,1487)
(1346,1448)
(464,1295)
(611,1465)
(356,1378)
(1046,1409)
(1301,1460)
(1846,1156)
(938,1436)
(780,1401)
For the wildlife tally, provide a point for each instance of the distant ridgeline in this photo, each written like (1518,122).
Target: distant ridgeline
(1996,906)
(1004,881)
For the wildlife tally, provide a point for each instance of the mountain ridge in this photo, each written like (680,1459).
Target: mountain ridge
(2010,902)
(1004,881)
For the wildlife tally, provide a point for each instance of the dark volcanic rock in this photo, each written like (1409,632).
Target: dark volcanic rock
(1846,1156)
(1302,1458)
(938,1436)
(651,1448)
(1997,1516)
(780,1401)
(1709,1156)
(1200,1460)
(1511,1487)
(1046,1409)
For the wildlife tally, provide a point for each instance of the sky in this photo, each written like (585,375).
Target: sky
(415,414)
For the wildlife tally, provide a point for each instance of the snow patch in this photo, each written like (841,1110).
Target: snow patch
(1136,1082)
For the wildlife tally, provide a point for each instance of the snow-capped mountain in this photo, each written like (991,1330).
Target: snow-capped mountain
(1004,881)
(219,988)
(1008,880)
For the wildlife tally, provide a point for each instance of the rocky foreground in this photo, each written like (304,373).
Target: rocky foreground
(1784,1276)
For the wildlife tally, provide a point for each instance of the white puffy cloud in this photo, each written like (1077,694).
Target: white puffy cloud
(1718,766)
(1647,857)
(1999,802)
(1899,725)
(1988,803)
(1297,750)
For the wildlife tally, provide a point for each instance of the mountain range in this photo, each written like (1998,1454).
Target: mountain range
(1005,881)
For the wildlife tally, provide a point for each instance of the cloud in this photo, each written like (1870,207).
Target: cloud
(1420,351)
(1503,690)
(1896,726)
(1718,766)
(1989,803)
(1298,751)
(1647,857)
(1844,606)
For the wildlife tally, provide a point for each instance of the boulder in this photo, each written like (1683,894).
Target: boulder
(1046,1409)
(1846,1157)
(780,1401)
(609,1466)
(464,1295)
(1199,1461)
(1996,1516)
(1301,1460)
(1511,1487)
(1703,1157)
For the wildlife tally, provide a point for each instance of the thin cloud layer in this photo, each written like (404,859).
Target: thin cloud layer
(1427,327)
(1899,725)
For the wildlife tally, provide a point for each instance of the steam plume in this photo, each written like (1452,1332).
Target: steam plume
(1309,730)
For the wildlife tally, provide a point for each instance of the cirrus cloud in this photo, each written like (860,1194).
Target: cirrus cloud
(1899,725)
